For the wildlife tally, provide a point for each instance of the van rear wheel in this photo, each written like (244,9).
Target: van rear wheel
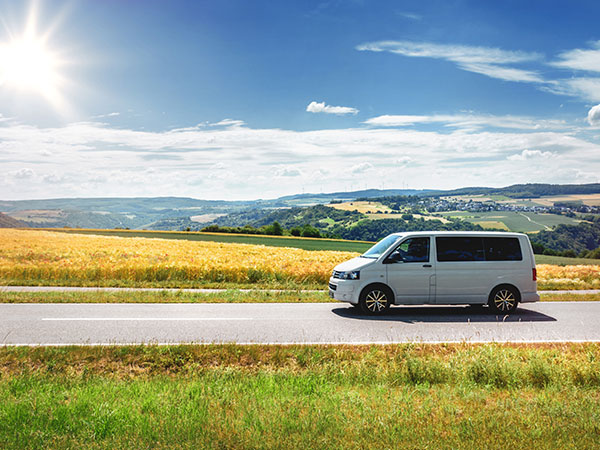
(375,300)
(504,299)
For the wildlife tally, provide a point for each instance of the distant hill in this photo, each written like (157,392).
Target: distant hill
(351,195)
(9,222)
(531,190)
(177,212)
(115,212)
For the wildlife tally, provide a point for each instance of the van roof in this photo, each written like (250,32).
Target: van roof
(459,233)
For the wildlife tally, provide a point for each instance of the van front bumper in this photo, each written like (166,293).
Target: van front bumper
(343,290)
(530,297)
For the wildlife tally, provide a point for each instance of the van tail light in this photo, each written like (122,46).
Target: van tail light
(534,273)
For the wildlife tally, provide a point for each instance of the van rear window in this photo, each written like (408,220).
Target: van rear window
(478,249)
(502,249)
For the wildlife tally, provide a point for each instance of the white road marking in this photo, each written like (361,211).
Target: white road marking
(141,319)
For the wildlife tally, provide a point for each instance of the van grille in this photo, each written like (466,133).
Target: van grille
(336,274)
(332,286)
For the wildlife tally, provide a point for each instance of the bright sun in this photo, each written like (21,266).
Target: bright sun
(26,64)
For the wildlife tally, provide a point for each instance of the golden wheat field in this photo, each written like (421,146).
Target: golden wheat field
(568,277)
(44,257)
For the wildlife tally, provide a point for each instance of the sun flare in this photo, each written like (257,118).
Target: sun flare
(27,64)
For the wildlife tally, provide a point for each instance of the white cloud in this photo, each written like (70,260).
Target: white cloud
(530,154)
(102,116)
(53,178)
(288,172)
(361,168)
(91,159)
(23,173)
(315,107)
(228,123)
(580,59)
(467,121)
(409,15)
(487,61)
(404,161)
(594,116)
(587,89)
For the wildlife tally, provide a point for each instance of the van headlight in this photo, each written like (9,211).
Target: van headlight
(353,275)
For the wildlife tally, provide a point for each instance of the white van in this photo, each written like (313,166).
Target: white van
(440,268)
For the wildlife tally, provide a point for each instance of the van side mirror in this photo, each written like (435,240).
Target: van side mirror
(394,257)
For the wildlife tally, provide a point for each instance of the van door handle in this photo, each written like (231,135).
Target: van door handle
(426,265)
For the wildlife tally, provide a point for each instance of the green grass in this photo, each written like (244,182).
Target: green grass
(563,261)
(400,396)
(229,296)
(570,297)
(272,241)
(285,284)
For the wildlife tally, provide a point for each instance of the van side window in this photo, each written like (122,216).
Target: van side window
(459,249)
(411,250)
(502,249)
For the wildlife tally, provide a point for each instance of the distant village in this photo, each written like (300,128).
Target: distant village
(440,204)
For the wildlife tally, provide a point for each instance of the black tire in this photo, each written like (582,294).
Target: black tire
(476,306)
(504,299)
(375,299)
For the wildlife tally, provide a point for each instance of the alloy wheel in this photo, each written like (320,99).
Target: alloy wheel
(505,300)
(376,301)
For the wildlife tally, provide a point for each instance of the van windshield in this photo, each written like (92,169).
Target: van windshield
(378,249)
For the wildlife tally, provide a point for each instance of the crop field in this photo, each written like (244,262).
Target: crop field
(362,207)
(586,199)
(34,257)
(568,277)
(396,396)
(514,221)
(272,241)
(43,257)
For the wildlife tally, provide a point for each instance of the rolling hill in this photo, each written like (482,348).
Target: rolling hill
(9,222)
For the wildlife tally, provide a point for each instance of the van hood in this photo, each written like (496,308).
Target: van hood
(354,264)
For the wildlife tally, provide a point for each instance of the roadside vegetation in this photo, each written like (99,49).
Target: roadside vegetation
(34,257)
(227,296)
(396,396)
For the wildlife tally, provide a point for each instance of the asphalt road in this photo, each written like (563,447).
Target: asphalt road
(287,323)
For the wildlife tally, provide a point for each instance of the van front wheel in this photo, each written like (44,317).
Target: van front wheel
(504,299)
(375,299)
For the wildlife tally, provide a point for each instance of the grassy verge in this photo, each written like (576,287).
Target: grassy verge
(401,396)
(570,297)
(549,284)
(165,284)
(230,296)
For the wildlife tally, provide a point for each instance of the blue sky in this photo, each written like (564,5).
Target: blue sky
(242,100)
